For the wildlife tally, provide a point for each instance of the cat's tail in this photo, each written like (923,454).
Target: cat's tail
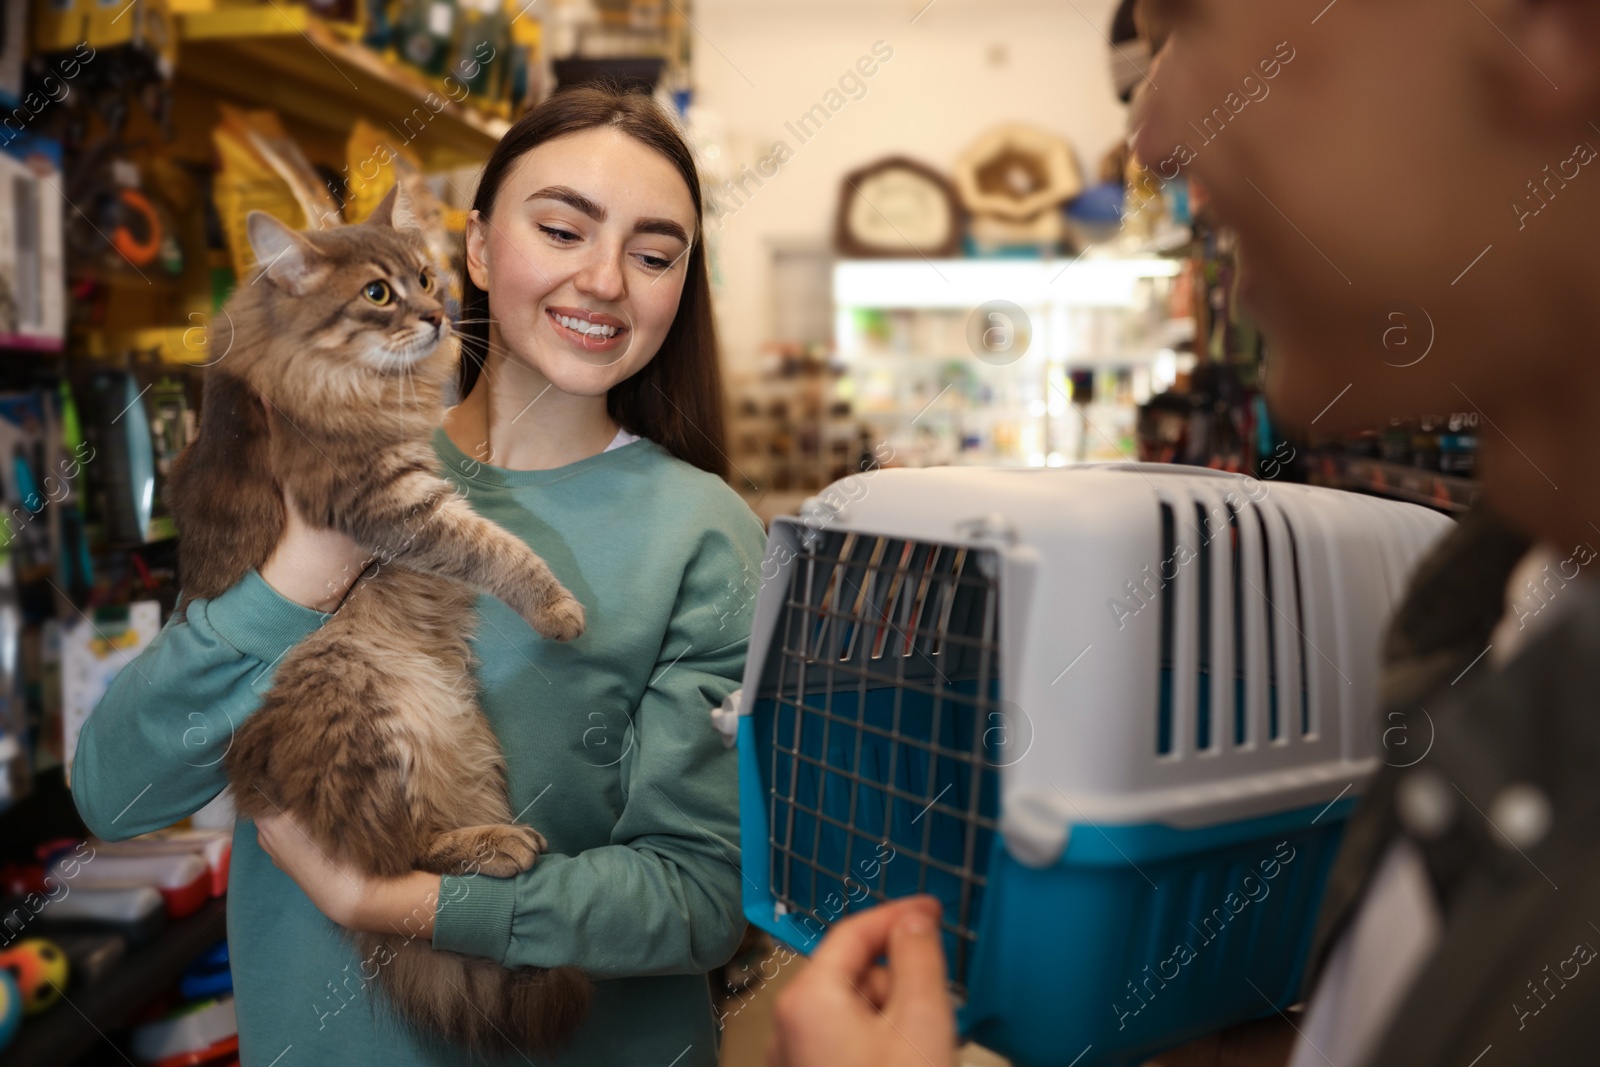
(476,1003)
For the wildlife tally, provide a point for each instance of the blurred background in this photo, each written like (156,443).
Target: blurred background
(929,246)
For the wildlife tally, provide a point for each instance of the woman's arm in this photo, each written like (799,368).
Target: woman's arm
(151,751)
(344,894)
(664,896)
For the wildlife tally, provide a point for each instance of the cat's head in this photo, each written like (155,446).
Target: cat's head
(367,296)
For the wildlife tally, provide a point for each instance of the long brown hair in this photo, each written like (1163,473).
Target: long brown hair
(676,399)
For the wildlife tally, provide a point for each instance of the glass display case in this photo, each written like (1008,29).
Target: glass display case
(1005,361)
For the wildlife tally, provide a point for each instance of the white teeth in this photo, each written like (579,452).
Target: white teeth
(593,329)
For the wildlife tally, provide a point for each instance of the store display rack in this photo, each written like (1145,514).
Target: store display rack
(1447,492)
(77,1026)
(283,58)
(1089,338)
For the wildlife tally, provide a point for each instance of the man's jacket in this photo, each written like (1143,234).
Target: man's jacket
(1515,858)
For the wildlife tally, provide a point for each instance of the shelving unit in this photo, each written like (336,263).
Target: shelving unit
(281,57)
(1447,492)
(146,114)
(319,81)
(72,1029)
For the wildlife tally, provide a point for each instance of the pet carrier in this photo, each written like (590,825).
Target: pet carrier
(1114,716)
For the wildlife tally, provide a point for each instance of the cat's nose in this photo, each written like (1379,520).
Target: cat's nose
(434,317)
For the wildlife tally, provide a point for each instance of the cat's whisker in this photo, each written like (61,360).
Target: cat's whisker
(501,350)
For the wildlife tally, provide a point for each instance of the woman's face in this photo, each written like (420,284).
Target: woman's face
(583,257)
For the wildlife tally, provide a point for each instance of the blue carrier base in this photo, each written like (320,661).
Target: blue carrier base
(1146,937)
(1139,939)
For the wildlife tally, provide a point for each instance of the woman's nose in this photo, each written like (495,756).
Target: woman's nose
(601,275)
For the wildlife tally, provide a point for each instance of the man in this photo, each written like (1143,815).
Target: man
(1420,165)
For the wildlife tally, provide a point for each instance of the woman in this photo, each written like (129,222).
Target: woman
(590,425)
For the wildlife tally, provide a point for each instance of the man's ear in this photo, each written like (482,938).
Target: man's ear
(478,250)
(395,210)
(287,258)
(1545,56)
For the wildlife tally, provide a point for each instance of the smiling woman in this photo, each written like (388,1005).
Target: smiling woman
(586,273)
(590,428)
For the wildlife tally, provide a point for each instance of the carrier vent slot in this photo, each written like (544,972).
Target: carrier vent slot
(1202,715)
(1169,550)
(1239,676)
(1300,626)
(1273,729)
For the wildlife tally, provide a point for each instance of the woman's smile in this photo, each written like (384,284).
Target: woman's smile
(587,254)
(590,331)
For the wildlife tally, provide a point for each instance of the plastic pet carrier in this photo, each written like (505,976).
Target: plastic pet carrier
(1114,716)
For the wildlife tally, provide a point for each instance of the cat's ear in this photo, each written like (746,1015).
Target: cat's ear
(395,210)
(288,259)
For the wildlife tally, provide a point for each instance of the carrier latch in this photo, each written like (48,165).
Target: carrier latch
(726,718)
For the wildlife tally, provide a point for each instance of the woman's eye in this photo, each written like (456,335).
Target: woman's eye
(425,281)
(378,292)
(654,262)
(563,236)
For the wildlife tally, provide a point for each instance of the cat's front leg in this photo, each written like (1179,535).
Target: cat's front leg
(499,850)
(420,522)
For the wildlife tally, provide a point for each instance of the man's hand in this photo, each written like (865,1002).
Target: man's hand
(844,1010)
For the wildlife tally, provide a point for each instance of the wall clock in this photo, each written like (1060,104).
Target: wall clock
(897,207)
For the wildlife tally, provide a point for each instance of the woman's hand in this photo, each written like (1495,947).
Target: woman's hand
(843,1010)
(358,901)
(314,568)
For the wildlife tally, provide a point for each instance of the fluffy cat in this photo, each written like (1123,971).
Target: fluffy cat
(371,737)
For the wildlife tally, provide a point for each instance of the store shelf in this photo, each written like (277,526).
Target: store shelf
(25,343)
(1447,492)
(286,60)
(70,1029)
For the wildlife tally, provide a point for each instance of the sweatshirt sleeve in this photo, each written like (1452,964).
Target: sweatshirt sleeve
(664,896)
(151,751)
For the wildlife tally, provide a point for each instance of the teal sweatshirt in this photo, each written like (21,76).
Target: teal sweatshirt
(611,755)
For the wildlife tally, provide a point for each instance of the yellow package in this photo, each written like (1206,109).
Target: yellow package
(264,170)
(370,172)
(110,23)
(59,25)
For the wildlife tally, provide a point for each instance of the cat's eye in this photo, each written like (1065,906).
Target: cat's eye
(425,280)
(378,292)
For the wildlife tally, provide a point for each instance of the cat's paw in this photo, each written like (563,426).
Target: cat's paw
(560,618)
(499,850)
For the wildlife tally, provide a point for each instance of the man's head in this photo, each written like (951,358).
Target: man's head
(1416,186)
